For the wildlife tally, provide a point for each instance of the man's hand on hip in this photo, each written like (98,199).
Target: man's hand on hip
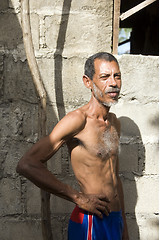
(96,204)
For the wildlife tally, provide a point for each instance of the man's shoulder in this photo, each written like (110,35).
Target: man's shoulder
(70,125)
(75,120)
(115,120)
(77,115)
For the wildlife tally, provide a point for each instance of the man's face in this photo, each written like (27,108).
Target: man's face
(106,82)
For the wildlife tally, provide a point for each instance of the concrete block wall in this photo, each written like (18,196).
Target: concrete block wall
(65,33)
(138,111)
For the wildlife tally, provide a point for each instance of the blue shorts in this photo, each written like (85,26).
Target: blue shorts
(85,226)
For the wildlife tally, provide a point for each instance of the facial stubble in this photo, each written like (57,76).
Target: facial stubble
(98,92)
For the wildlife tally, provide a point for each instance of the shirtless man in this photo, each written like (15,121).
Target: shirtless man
(92,136)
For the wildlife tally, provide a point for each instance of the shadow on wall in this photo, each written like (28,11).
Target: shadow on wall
(19,121)
(132,164)
(58,56)
(155,122)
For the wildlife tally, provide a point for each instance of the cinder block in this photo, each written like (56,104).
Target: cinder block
(100,7)
(20,229)
(11,33)
(141,68)
(4,121)
(47,71)
(129,129)
(130,195)
(55,163)
(152,160)
(14,4)
(20,76)
(40,5)
(148,226)
(77,41)
(147,194)
(4,5)
(65,226)
(29,121)
(52,117)
(65,36)
(133,228)
(15,119)
(65,159)
(15,151)
(1,78)
(134,122)
(59,205)
(80,95)
(128,157)
(62,88)
(52,25)
(10,197)
(33,199)
(57,228)
(33,192)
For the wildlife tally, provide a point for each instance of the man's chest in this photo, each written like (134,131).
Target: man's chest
(99,140)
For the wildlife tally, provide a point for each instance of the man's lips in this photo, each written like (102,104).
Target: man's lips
(113,94)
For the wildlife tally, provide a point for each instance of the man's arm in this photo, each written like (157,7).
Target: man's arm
(32,164)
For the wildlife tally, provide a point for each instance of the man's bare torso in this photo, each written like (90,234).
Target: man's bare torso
(94,152)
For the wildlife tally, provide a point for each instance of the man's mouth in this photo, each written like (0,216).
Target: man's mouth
(113,94)
(112,90)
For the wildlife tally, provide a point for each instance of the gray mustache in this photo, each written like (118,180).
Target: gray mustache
(112,90)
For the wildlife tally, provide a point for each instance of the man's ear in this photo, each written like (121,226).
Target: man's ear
(87,81)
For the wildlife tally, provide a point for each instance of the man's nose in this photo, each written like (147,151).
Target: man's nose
(112,81)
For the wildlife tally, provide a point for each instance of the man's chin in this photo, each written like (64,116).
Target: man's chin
(109,104)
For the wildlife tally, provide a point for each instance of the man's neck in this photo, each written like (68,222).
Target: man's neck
(97,109)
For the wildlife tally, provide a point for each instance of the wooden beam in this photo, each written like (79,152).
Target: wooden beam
(136,9)
(41,96)
(116,15)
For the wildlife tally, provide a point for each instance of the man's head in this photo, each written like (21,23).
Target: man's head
(103,77)
(89,65)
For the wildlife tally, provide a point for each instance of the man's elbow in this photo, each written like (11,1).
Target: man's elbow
(22,167)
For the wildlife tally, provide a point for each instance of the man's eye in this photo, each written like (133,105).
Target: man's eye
(104,77)
(118,76)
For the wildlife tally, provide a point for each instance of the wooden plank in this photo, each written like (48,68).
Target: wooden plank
(136,9)
(116,15)
(41,96)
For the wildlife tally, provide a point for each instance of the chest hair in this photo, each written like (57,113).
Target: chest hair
(108,143)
